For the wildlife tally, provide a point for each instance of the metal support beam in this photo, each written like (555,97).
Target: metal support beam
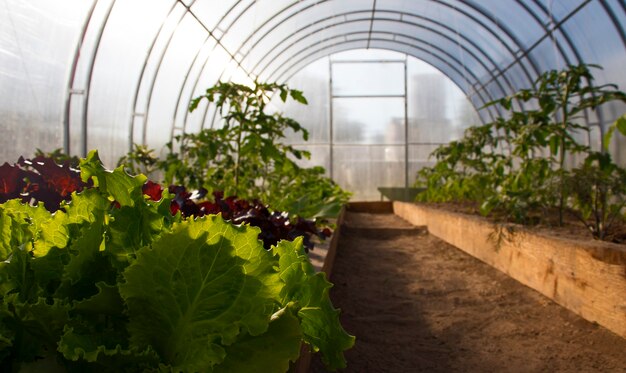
(70,90)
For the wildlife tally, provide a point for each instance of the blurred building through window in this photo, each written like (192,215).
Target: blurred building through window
(363,104)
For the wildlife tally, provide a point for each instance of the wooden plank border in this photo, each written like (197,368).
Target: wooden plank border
(588,278)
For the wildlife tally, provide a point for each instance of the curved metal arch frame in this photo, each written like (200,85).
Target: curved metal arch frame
(279,73)
(86,90)
(417,25)
(72,77)
(614,20)
(402,14)
(131,127)
(572,47)
(146,112)
(194,87)
(501,26)
(327,55)
(476,8)
(528,50)
(92,63)
(428,51)
(182,87)
(210,35)
(470,16)
(479,60)
(609,12)
(282,75)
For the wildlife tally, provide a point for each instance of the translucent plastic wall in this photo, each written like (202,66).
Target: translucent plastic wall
(83,74)
(371,111)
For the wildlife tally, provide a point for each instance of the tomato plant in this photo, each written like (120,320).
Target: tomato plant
(516,165)
(245,156)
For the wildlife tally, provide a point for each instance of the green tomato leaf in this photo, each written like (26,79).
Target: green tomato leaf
(192,293)
(554,145)
(620,124)
(298,96)
(608,136)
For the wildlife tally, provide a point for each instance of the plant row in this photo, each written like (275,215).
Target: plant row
(245,154)
(113,281)
(42,180)
(523,166)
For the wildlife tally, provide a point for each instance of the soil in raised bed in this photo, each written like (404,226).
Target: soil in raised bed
(417,304)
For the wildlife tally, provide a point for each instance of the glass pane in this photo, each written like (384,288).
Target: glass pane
(438,110)
(419,157)
(368,78)
(362,169)
(320,156)
(368,120)
(314,83)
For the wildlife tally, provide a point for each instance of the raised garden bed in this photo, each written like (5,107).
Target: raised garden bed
(416,303)
(586,277)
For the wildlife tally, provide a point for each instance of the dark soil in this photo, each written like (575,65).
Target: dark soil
(417,304)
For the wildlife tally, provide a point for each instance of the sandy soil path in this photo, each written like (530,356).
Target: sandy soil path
(417,304)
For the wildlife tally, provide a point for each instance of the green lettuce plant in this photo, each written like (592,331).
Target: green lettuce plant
(113,282)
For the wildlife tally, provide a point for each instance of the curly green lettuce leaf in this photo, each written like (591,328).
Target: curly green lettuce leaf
(268,352)
(13,234)
(86,208)
(36,326)
(103,353)
(117,184)
(33,216)
(189,295)
(106,302)
(319,319)
(131,228)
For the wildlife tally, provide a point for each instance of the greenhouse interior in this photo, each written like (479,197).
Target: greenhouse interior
(313,185)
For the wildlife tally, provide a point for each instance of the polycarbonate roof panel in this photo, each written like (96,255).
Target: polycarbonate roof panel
(586,28)
(210,13)
(487,47)
(305,43)
(163,106)
(118,69)
(36,50)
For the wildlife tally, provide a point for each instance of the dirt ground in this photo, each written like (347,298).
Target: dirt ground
(417,304)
